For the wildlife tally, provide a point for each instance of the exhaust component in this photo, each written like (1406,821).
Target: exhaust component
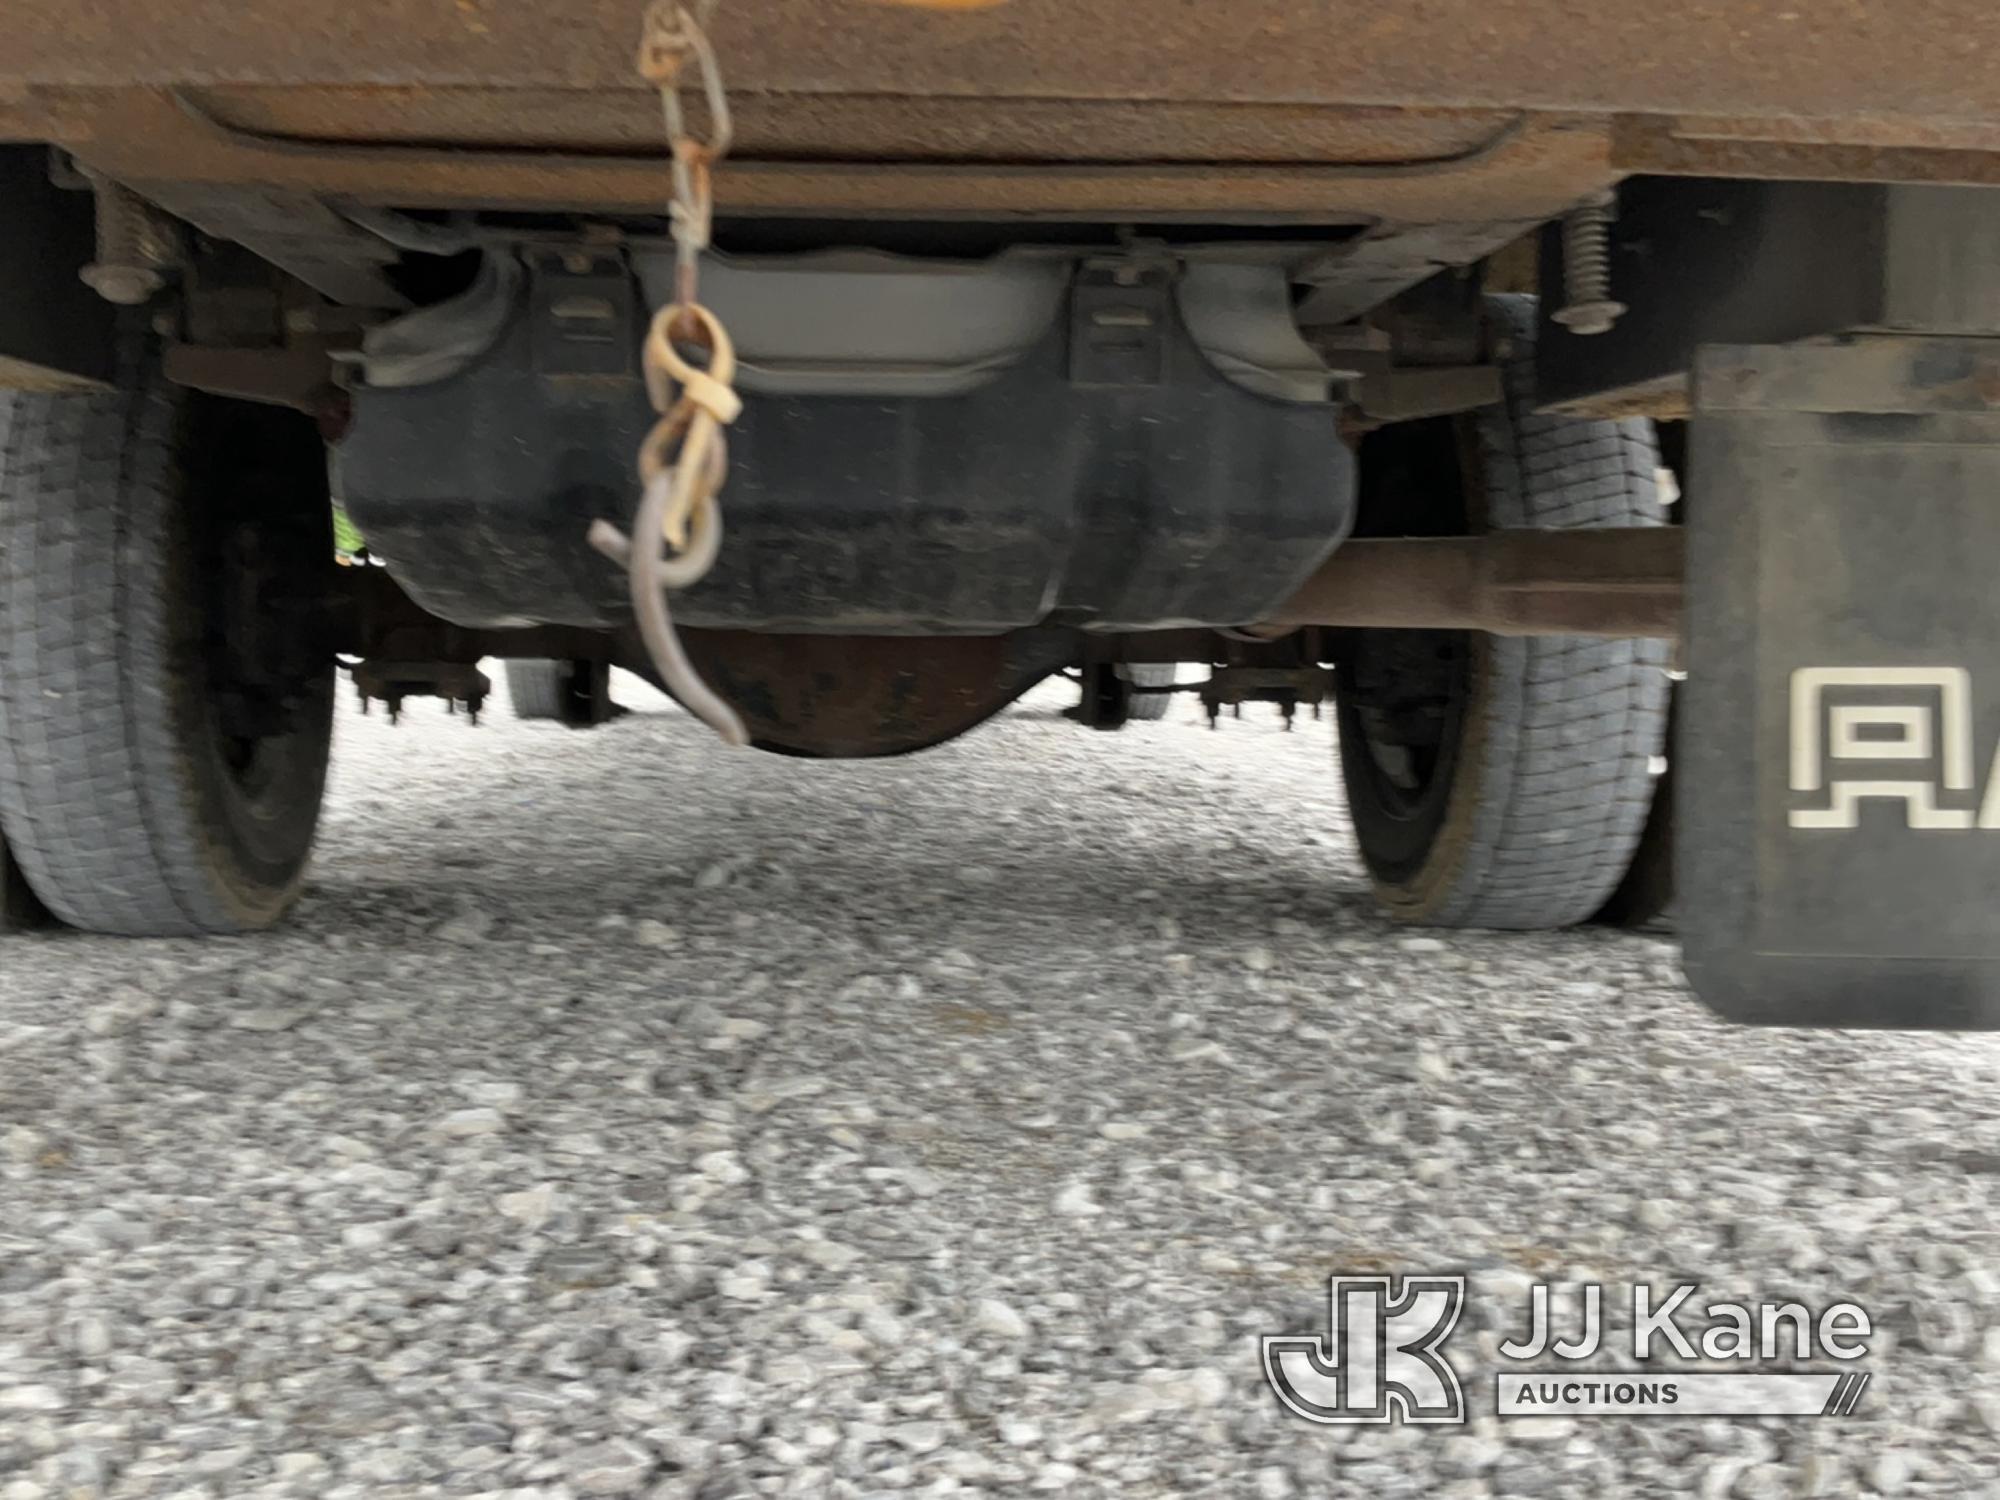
(1619,581)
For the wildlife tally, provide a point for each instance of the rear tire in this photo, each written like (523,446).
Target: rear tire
(165,713)
(1143,675)
(573,693)
(1645,897)
(1501,781)
(537,689)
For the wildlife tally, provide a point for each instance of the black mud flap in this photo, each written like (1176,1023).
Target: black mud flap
(1840,834)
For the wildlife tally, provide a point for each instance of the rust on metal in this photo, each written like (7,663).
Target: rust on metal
(1658,146)
(1904,64)
(1879,374)
(1529,169)
(1844,130)
(857,696)
(908,127)
(1663,398)
(1623,581)
(1337,164)
(1033,107)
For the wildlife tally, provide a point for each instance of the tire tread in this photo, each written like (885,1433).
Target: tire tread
(97,791)
(1563,779)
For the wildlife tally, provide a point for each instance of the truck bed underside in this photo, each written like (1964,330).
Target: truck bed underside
(1459,111)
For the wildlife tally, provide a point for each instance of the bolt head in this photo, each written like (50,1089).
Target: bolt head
(128,286)
(1587,318)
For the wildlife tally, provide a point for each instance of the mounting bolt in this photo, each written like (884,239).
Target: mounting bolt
(1588,307)
(134,245)
(128,286)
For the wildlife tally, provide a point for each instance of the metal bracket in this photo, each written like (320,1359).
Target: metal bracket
(299,375)
(585,701)
(1287,687)
(1406,395)
(584,315)
(1107,697)
(54,333)
(1118,331)
(393,681)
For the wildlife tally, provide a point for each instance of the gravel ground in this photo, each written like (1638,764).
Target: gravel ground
(619,1116)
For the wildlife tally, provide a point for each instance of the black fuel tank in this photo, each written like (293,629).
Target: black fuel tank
(917,453)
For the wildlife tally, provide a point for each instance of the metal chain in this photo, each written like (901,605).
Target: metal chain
(685,458)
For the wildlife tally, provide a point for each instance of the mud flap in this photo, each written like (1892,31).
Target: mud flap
(1840,817)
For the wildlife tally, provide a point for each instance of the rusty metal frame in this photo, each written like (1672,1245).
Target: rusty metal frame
(1316,111)
(887,695)
(1624,581)
(1529,167)
(1616,581)
(1892,74)
(160,137)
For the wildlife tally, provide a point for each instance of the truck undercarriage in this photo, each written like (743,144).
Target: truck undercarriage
(1320,345)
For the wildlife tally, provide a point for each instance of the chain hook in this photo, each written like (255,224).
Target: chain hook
(675,34)
(684,459)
